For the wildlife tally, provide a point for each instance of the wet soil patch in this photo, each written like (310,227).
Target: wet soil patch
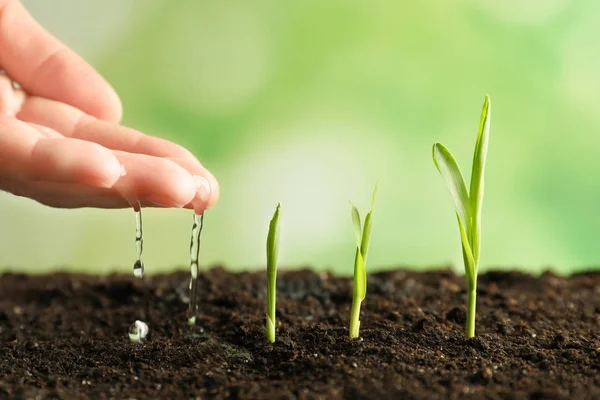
(66,336)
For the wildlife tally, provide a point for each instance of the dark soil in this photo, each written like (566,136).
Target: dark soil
(66,336)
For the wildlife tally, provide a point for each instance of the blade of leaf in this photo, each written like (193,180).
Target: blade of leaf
(374,196)
(366,234)
(273,240)
(448,168)
(366,237)
(356,224)
(360,277)
(478,175)
(272,253)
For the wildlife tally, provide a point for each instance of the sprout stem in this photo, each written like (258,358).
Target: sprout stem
(471,304)
(354,318)
(270,330)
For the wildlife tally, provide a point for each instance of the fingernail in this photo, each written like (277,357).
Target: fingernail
(202,193)
(202,188)
(163,201)
(123,170)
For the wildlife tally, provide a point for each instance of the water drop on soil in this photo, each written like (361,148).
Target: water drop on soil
(138,269)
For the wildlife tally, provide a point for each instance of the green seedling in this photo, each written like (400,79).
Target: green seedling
(468,204)
(362,238)
(272,252)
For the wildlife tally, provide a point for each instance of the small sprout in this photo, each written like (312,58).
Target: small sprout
(272,252)
(362,238)
(468,204)
(138,331)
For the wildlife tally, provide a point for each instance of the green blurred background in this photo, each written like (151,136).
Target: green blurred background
(310,103)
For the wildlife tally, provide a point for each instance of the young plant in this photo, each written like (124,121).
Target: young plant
(272,252)
(468,204)
(362,239)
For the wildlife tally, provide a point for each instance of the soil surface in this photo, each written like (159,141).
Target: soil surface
(66,336)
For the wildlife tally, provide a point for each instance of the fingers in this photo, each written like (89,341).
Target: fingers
(47,132)
(64,195)
(10,98)
(74,123)
(69,195)
(29,154)
(149,181)
(207,187)
(45,67)
(154,180)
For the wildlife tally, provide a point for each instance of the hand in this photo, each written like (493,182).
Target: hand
(60,139)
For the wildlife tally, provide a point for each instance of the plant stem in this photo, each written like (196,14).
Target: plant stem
(271,288)
(270,329)
(471,306)
(354,318)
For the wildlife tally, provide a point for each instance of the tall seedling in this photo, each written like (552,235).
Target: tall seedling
(468,204)
(362,239)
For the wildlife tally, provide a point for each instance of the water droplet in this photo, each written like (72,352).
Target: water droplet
(138,331)
(194,252)
(138,269)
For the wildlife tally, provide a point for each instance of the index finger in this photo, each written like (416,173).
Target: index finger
(44,66)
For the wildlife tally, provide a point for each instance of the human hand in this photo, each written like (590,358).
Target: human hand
(61,143)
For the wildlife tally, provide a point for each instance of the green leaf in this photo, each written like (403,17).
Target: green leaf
(273,241)
(366,235)
(477,177)
(272,253)
(446,164)
(374,196)
(360,277)
(356,224)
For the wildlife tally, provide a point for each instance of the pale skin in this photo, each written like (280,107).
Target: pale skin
(61,141)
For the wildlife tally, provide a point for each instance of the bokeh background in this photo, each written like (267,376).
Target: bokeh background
(310,103)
